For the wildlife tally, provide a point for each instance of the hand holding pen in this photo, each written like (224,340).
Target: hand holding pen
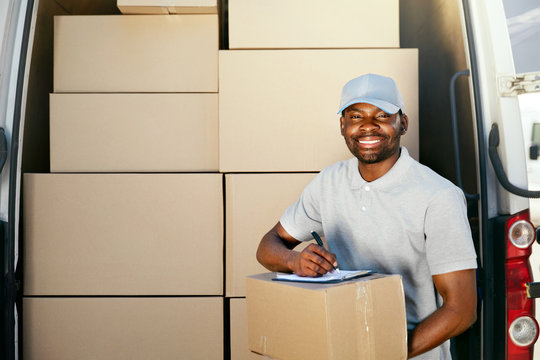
(313,261)
(320,243)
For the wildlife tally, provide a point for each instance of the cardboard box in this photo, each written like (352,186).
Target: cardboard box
(357,319)
(249,214)
(123,234)
(239,331)
(277,108)
(134,132)
(296,24)
(147,53)
(123,328)
(167,6)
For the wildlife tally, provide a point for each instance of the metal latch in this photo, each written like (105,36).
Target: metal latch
(519,84)
(533,290)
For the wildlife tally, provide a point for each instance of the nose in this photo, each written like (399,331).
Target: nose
(368,124)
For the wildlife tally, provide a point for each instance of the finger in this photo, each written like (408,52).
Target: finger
(328,257)
(310,260)
(309,272)
(308,268)
(301,263)
(311,264)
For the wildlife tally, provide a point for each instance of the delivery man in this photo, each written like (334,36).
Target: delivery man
(384,211)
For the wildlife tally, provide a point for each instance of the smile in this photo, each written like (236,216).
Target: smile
(368,142)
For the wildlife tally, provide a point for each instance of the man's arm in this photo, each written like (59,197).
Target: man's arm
(276,253)
(457,314)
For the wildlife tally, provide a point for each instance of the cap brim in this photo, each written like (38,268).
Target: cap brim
(381,104)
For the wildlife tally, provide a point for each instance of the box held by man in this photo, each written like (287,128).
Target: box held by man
(357,319)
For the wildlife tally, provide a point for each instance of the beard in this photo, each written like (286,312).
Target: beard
(375,155)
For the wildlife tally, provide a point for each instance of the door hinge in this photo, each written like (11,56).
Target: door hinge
(519,84)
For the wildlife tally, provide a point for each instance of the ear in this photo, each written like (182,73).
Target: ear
(404,123)
(342,125)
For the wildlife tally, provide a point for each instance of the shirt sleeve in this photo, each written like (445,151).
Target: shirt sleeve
(304,216)
(449,245)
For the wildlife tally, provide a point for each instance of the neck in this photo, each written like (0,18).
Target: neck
(371,172)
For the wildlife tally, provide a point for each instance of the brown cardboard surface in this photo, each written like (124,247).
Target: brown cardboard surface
(123,234)
(123,328)
(145,10)
(277,108)
(239,332)
(358,319)
(134,132)
(274,24)
(167,6)
(147,53)
(254,204)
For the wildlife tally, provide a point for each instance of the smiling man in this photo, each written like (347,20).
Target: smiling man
(384,211)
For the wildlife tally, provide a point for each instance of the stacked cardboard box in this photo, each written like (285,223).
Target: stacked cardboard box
(277,108)
(123,234)
(124,239)
(136,54)
(168,132)
(280,84)
(284,24)
(123,328)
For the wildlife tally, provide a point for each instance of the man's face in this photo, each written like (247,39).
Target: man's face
(371,134)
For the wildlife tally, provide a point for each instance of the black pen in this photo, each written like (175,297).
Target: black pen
(320,243)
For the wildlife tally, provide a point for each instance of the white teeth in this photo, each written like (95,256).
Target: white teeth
(368,141)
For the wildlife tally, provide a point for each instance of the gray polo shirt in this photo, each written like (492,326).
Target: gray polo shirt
(411,222)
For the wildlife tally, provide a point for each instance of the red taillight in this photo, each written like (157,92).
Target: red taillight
(522,328)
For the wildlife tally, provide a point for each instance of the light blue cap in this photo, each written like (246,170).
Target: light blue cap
(373,89)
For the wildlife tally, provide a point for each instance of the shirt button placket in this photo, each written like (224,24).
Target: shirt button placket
(367,197)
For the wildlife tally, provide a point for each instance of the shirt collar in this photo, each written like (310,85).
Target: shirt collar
(393,177)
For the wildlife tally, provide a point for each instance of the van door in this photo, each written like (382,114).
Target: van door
(523,22)
(15,19)
(496,33)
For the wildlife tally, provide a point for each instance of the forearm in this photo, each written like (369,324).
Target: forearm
(457,314)
(274,254)
(442,325)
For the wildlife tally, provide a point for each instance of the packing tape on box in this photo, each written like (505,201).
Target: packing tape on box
(364,308)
